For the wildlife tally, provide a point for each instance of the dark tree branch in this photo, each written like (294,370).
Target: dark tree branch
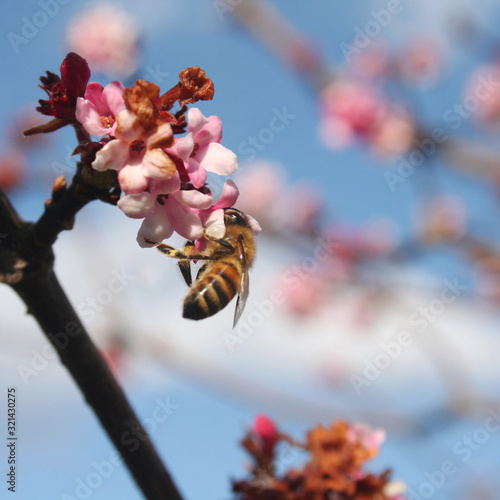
(10,222)
(66,202)
(59,214)
(26,263)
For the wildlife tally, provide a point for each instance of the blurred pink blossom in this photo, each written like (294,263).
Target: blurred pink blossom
(370,439)
(308,296)
(349,110)
(420,63)
(353,111)
(394,490)
(265,195)
(394,135)
(487,113)
(13,169)
(372,62)
(107,37)
(260,185)
(115,351)
(299,207)
(352,244)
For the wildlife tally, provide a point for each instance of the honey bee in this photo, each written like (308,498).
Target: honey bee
(225,272)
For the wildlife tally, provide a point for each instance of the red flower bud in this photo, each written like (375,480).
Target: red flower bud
(266,430)
(63,91)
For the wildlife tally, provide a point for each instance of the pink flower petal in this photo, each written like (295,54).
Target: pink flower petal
(87,114)
(112,156)
(182,147)
(165,186)
(93,93)
(137,206)
(155,227)
(161,138)
(254,225)
(211,132)
(196,120)
(184,220)
(197,174)
(193,199)
(100,102)
(156,164)
(132,180)
(128,128)
(218,159)
(214,225)
(113,97)
(370,439)
(229,195)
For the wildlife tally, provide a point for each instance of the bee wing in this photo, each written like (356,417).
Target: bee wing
(244,287)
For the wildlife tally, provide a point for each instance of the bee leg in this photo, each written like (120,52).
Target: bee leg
(229,248)
(170,251)
(179,254)
(185,267)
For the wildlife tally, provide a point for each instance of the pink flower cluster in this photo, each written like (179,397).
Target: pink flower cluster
(162,176)
(352,110)
(419,64)
(334,465)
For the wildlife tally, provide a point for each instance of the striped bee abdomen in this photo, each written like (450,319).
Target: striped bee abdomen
(213,290)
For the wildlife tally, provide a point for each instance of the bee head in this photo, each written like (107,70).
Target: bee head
(234,217)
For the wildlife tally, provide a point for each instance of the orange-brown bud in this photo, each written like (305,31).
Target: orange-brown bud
(139,100)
